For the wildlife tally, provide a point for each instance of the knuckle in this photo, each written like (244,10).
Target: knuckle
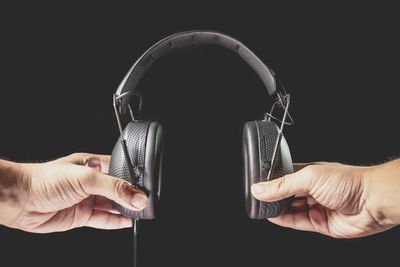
(309,170)
(88,172)
(120,186)
(311,173)
(79,157)
(87,176)
(281,185)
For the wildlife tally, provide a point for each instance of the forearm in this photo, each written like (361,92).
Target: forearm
(13,185)
(383,192)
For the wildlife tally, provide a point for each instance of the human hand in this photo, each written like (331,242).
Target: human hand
(66,193)
(339,200)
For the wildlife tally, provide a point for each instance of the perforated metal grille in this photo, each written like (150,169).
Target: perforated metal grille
(135,134)
(268,133)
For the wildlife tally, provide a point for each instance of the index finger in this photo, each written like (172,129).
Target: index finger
(94,161)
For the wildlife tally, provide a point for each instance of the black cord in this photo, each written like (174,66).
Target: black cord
(135,233)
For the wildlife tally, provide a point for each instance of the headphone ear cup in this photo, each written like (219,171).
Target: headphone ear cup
(144,146)
(259,138)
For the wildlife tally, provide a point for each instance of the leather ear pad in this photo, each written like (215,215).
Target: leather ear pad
(259,138)
(144,145)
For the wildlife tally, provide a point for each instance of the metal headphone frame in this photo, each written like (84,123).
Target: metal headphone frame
(282,100)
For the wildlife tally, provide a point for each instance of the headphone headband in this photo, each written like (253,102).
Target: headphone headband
(184,39)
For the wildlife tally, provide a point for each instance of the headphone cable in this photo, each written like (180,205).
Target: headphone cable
(135,234)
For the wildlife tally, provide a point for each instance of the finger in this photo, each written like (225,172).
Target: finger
(311,201)
(299,205)
(104,204)
(122,192)
(104,162)
(319,218)
(94,161)
(298,166)
(105,220)
(296,220)
(292,184)
(314,220)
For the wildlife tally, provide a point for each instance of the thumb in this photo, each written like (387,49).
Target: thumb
(291,184)
(118,190)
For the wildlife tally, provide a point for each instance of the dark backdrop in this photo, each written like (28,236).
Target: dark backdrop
(61,63)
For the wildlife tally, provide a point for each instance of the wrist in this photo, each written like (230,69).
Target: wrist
(383,193)
(14,185)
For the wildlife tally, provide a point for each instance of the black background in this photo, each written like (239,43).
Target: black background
(61,63)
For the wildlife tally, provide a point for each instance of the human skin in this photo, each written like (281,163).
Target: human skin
(63,194)
(337,200)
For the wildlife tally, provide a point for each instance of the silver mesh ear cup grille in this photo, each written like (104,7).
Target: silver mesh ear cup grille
(259,138)
(135,134)
(268,133)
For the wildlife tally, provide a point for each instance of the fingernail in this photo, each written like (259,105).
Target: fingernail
(258,189)
(139,200)
(94,163)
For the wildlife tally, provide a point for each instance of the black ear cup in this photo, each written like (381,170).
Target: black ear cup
(259,138)
(144,146)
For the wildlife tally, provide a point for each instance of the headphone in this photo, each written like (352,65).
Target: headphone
(137,156)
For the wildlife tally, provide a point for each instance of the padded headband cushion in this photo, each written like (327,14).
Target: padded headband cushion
(144,144)
(259,138)
(184,39)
